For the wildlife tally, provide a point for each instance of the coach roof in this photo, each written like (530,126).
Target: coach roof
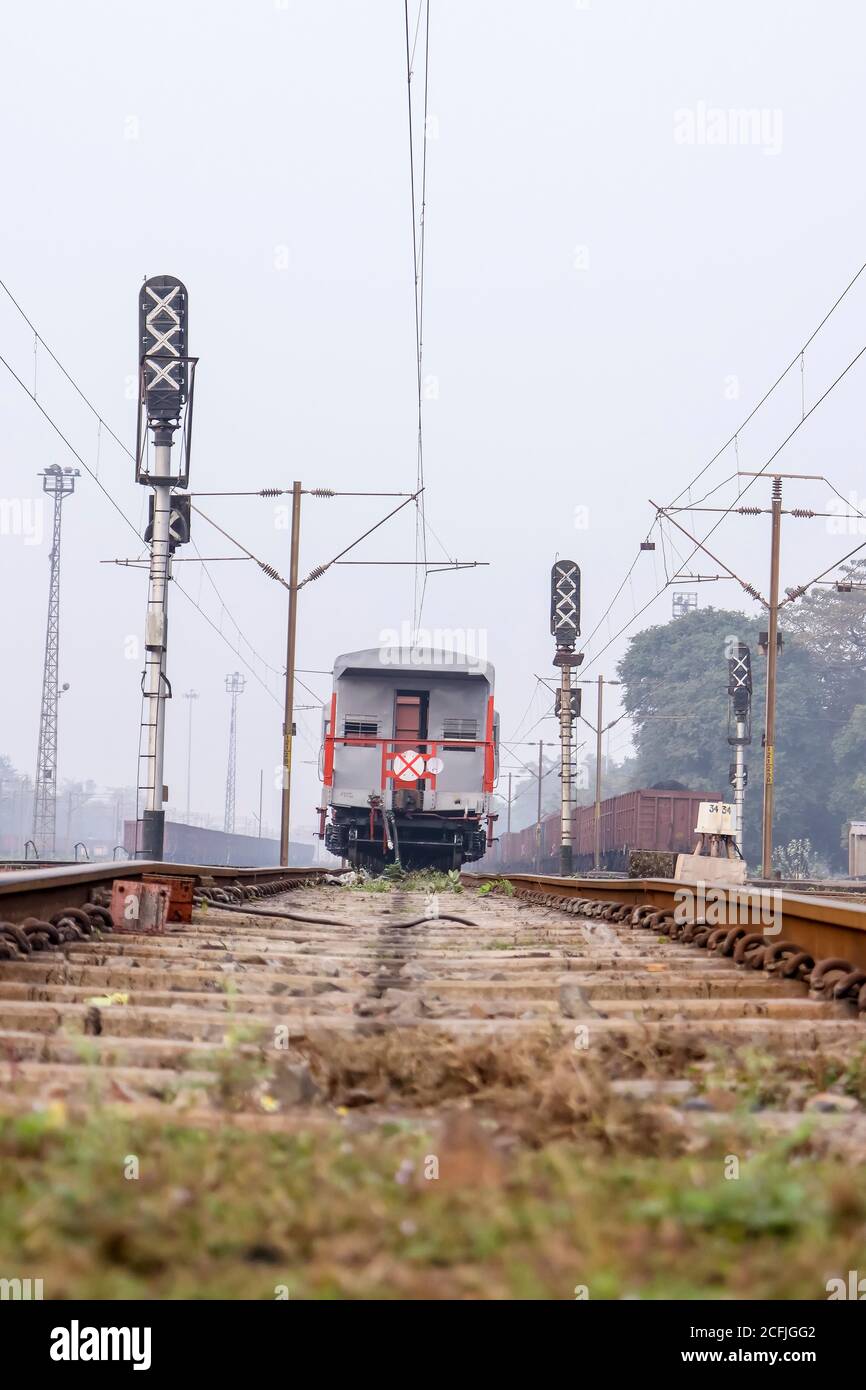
(432,661)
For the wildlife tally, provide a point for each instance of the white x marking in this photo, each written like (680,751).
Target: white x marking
(162,373)
(409,766)
(160,337)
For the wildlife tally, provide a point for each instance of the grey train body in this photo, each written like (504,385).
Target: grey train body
(409,758)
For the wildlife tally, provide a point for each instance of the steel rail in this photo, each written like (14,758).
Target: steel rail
(822,928)
(54,889)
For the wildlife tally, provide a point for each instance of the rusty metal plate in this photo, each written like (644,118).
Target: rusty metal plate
(180,890)
(139,907)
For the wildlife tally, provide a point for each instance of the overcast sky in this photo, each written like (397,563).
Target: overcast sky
(619,261)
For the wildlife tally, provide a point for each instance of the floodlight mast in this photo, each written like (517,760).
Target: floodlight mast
(166,374)
(740,718)
(565,629)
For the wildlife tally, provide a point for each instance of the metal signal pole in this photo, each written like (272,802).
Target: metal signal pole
(166,386)
(565,660)
(291,644)
(772,656)
(565,628)
(740,715)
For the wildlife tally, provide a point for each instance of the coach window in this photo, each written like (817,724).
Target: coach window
(459,735)
(357,727)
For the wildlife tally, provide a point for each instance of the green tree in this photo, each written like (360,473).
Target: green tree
(831,625)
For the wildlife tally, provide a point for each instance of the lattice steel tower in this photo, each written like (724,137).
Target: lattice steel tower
(235,684)
(58,483)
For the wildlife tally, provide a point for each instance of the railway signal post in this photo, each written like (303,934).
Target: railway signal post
(166,377)
(740,719)
(565,629)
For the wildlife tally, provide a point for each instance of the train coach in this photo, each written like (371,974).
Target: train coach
(410,758)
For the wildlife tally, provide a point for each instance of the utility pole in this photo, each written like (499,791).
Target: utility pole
(598,733)
(772,656)
(291,637)
(166,386)
(598,729)
(770,641)
(740,716)
(291,643)
(189,696)
(565,628)
(261,794)
(235,684)
(58,483)
(538,811)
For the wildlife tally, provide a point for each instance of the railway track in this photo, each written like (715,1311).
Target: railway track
(141,1017)
(479,1025)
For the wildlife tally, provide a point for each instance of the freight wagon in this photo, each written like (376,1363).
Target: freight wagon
(653,819)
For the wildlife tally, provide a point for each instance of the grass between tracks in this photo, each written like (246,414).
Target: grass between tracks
(526,1181)
(352,1214)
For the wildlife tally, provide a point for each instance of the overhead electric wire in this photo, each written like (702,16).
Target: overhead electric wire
(761,472)
(318,570)
(262,564)
(732,440)
(779,379)
(239,654)
(417,31)
(525,715)
(115,504)
(275,671)
(418,285)
(56,360)
(86,466)
(628,575)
